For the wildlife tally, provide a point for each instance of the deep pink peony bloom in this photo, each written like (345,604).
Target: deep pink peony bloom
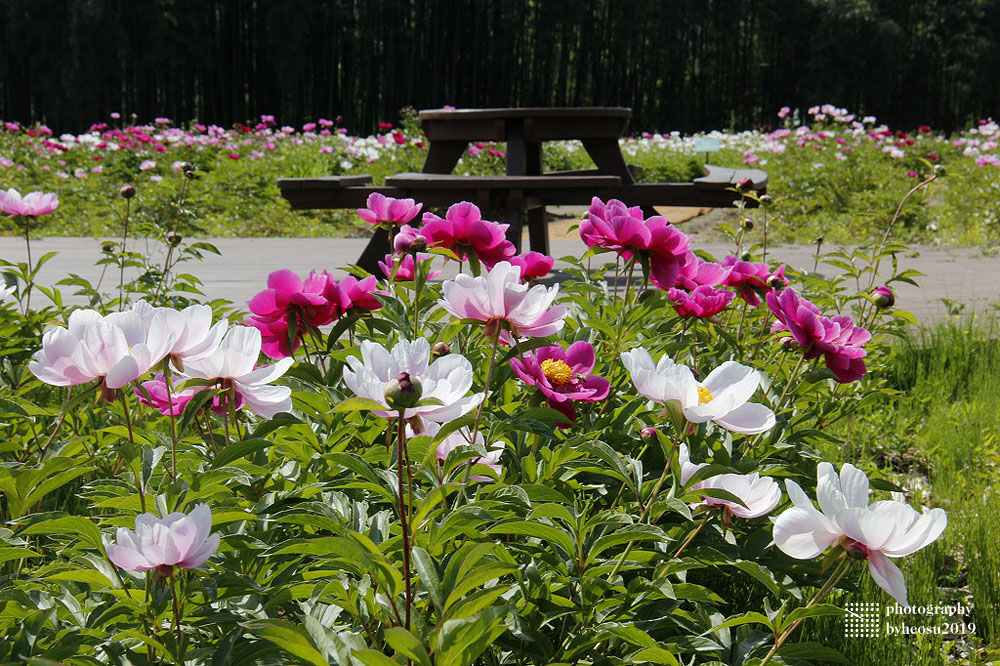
(153,393)
(351,294)
(31,205)
(837,338)
(614,226)
(533,265)
(407,267)
(387,210)
(463,229)
(695,272)
(290,302)
(753,280)
(563,376)
(701,301)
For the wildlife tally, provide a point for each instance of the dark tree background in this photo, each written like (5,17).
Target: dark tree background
(680,64)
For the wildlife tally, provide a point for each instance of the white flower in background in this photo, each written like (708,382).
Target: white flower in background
(458,439)
(178,539)
(723,396)
(873,532)
(759,494)
(234,364)
(447,379)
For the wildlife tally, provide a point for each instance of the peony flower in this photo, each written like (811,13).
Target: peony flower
(194,334)
(563,376)
(499,299)
(722,398)
(233,366)
(759,494)
(406,270)
(463,230)
(872,532)
(837,339)
(387,210)
(695,272)
(153,393)
(352,295)
(446,380)
(701,302)
(290,303)
(30,205)
(751,280)
(116,349)
(178,539)
(533,265)
(460,438)
(5,291)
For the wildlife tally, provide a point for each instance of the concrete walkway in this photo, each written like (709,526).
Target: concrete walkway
(963,275)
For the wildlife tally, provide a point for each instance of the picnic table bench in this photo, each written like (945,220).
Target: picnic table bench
(524,191)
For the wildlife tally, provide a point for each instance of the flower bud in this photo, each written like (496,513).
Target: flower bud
(856,550)
(940,170)
(649,436)
(108,247)
(404,391)
(746,256)
(174,238)
(744,184)
(748,224)
(776,282)
(883,296)
(789,345)
(187,169)
(766,200)
(418,244)
(440,349)
(127,191)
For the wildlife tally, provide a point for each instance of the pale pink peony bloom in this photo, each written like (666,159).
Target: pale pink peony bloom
(723,396)
(234,366)
(194,334)
(500,300)
(759,494)
(460,438)
(5,291)
(446,379)
(116,349)
(873,532)
(30,205)
(387,210)
(178,539)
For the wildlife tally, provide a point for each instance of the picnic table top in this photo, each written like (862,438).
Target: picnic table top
(527,112)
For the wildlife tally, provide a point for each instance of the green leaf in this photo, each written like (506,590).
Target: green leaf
(654,655)
(289,637)
(429,578)
(813,652)
(357,405)
(737,620)
(7,554)
(408,645)
(623,536)
(373,658)
(819,610)
(69,526)
(547,534)
(239,450)
(460,642)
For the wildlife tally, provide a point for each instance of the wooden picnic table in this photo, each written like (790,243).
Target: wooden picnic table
(524,191)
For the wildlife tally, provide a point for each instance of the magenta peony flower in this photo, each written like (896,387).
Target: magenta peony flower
(351,295)
(406,270)
(533,265)
(153,393)
(500,300)
(837,339)
(695,272)
(404,239)
(387,210)
(463,229)
(178,539)
(751,280)
(290,302)
(701,302)
(563,376)
(30,205)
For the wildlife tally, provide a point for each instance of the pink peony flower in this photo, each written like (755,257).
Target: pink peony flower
(178,539)
(839,341)
(701,302)
(30,205)
(460,438)
(563,376)
(500,300)
(463,230)
(695,272)
(153,393)
(351,295)
(406,270)
(387,210)
(290,303)
(533,265)
(752,280)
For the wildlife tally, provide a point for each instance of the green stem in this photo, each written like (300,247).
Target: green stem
(131,441)
(403,513)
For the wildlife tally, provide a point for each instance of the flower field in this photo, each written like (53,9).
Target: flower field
(838,176)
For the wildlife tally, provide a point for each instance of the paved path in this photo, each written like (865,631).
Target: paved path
(961,274)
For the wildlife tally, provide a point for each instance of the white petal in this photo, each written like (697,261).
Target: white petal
(887,576)
(749,418)
(803,533)
(854,485)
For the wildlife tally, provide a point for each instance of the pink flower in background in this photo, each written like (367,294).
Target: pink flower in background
(839,341)
(563,376)
(784,111)
(872,532)
(153,393)
(752,280)
(458,439)
(406,270)
(178,539)
(404,239)
(387,210)
(667,251)
(463,230)
(702,301)
(289,301)
(502,302)
(533,265)
(32,204)
(353,295)
(147,165)
(695,272)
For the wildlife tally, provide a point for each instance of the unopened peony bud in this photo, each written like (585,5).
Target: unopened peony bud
(440,349)
(418,244)
(174,238)
(856,550)
(766,200)
(187,169)
(746,256)
(748,224)
(776,282)
(744,184)
(127,191)
(404,391)
(649,436)
(884,298)
(108,247)
(940,170)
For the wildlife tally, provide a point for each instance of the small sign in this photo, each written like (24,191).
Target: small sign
(706,145)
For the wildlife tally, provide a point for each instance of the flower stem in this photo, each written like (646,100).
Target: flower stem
(131,441)
(177,617)
(121,257)
(403,513)
(167,380)
(693,534)
(779,405)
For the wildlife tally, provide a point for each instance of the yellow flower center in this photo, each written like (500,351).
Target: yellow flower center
(704,395)
(557,372)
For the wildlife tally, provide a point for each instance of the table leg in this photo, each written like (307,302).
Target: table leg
(375,251)
(443,156)
(607,156)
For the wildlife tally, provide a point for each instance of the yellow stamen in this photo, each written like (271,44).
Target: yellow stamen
(557,372)
(704,395)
